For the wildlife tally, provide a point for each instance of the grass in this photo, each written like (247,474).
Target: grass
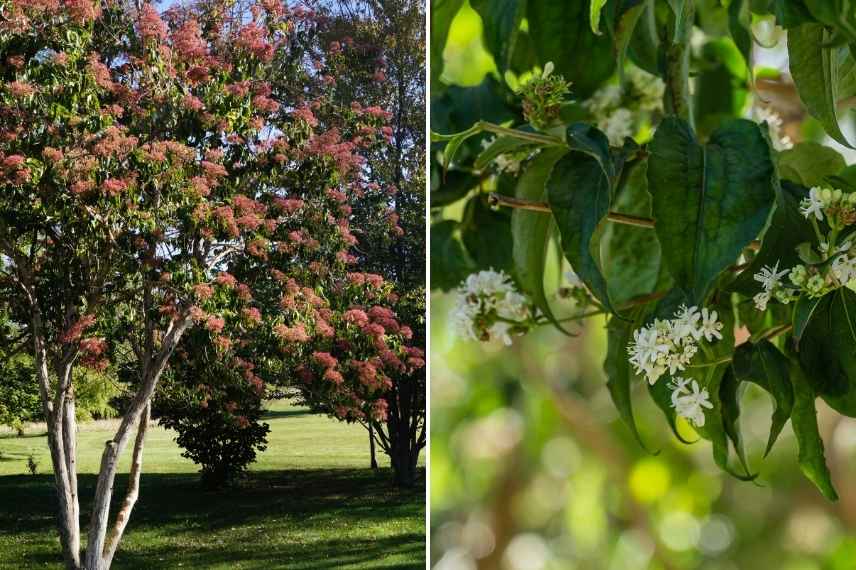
(310,502)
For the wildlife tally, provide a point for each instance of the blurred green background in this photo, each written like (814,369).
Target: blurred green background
(531,468)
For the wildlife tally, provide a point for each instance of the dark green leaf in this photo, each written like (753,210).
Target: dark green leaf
(710,201)
(729,398)
(455,185)
(531,230)
(486,233)
(578,192)
(804,421)
(618,370)
(560,33)
(501,20)
(450,263)
(763,364)
(803,312)
(827,350)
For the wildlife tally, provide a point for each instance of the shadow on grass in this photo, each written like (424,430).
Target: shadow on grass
(275,414)
(295,519)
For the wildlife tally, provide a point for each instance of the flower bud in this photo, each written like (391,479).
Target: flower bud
(798,275)
(826,196)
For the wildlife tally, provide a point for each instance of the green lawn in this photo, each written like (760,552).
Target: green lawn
(310,503)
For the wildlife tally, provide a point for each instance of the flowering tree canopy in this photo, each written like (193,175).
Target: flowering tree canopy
(719,245)
(145,153)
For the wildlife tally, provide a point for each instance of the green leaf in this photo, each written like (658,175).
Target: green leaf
(501,20)
(710,201)
(632,259)
(803,311)
(804,421)
(486,233)
(764,365)
(827,350)
(729,397)
(531,230)
(808,163)
(450,263)
(449,189)
(738,15)
(622,34)
(618,370)
(595,8)
(560,33)
(578,192)
(816,71)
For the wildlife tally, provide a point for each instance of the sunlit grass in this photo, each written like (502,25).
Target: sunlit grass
(310,502)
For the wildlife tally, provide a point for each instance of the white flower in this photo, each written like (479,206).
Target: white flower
(604,99)
(690,404)
(770,277)
(649,88)
(710,327)
(761,300)
(774,125)
(484,304)
(685,323)
(813,204)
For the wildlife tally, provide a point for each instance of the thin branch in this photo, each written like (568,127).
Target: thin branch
(495,199)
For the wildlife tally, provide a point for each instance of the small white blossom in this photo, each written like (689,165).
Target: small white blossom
(548,69)
(761,300)
(844,268)
(484,304)
(649,89)
(710,326)
(690,404)
(813,204)
(770,277)
(774,125)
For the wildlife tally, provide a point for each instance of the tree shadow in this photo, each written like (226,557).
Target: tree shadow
(297,519)
(275,414)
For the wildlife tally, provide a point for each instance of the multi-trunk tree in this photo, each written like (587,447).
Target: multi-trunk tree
(142,154)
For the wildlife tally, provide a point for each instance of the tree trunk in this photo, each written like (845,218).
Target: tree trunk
(372,446)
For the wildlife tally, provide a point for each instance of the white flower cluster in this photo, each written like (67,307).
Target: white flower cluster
(844,267)
(838,208)
(690,403)
(615,112)
(774,125)
(488,308)
(669,345)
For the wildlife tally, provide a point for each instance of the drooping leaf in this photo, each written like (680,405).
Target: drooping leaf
(808,163)
(578,192)
(531,230)
(816,69)
(803,312)
(626,18)
(827,350)
(738,17)
(450,263)
(729,397)
(764,365)
(804,420)
(560,33)
(619,373)
(486,233)
(710,201)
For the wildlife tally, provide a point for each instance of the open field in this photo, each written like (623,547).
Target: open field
(310,503)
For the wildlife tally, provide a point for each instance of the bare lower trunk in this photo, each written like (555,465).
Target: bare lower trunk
(100,552)
(372,446)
